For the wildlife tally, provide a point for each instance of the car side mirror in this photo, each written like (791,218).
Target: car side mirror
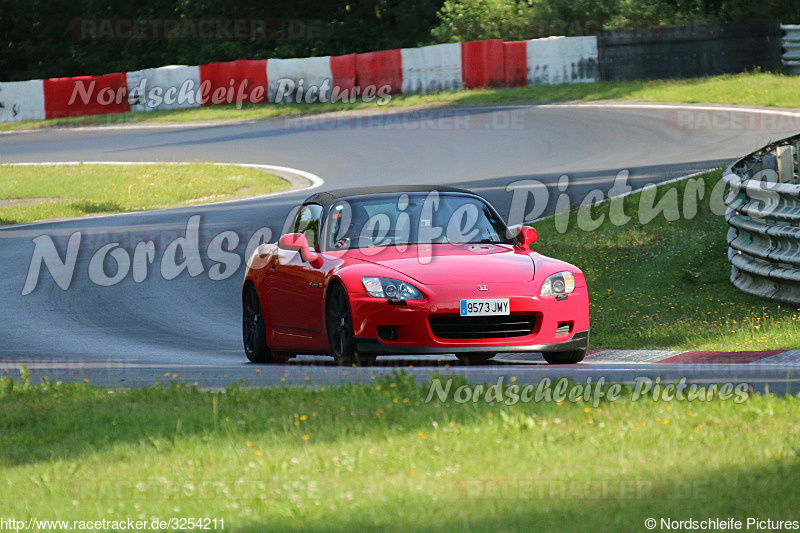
(526,236)
(298,242)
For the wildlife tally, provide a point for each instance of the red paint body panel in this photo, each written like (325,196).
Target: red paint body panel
(451,264)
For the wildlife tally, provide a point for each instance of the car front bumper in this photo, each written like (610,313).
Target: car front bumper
(413,333)
(371,346)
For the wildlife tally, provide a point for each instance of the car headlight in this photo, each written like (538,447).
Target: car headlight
(561,283)
(390,288)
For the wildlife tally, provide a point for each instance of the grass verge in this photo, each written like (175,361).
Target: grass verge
(749,88)
(42,192)
(665,284)
(378,458)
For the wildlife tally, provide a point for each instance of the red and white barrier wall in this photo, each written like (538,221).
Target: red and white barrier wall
(515,62)
(86,95)
(172,87)
(432,69)
(442,67)
(234,82)
(284,76)
(556,60)
(343,74)
(311,79)
(22,100)
(482,64)
(378,69)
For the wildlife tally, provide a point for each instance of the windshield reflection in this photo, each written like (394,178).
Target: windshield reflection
(410,219)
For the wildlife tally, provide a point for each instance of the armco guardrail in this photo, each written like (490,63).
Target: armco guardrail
(764,217)
(791,48)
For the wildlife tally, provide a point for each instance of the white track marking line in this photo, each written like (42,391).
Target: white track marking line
(778,112)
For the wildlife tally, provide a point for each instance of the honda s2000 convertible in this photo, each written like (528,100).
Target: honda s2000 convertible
(409,270)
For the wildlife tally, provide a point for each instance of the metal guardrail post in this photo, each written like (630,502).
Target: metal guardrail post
(763,212)
(791,48)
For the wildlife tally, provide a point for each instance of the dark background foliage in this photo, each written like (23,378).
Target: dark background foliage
(41,38)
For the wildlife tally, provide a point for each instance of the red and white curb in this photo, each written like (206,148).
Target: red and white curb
(626,357)
(686,357)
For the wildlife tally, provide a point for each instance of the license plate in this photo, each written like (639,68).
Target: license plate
(485,306)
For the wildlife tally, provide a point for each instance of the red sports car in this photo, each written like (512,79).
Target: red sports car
(409,270)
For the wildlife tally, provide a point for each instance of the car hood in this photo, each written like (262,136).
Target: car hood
(447,264)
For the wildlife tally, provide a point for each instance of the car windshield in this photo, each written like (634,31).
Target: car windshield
(413,218)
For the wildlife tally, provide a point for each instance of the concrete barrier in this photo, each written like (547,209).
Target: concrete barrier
(172,87)
(482,64)
(515,63)
(432,69)
(300,78)
(234,82)
(556,60)
(86,95)
(22,100)
(378,69)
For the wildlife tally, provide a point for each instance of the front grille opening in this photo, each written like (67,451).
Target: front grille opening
(564,328)
(481,327)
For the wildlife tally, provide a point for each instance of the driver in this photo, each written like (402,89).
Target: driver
(358,217)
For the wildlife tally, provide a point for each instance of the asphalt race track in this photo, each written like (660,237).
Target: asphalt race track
(188,329)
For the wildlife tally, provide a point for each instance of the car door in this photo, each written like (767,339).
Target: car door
(298,305)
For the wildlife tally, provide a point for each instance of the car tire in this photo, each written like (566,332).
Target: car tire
(564,358)
(339,323)
(475,358)
(254,330)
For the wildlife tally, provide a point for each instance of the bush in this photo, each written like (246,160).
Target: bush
(474,20)
(470,20)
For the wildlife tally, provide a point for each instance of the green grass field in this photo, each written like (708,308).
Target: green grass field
(52,191)
(378,458)
(749,88)
(665,284)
